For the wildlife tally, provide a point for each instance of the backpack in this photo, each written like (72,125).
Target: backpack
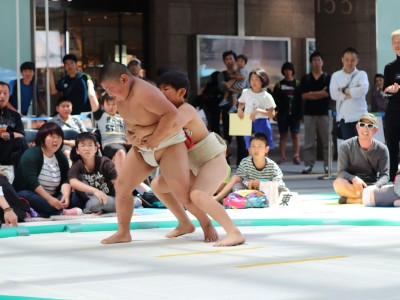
(246,199)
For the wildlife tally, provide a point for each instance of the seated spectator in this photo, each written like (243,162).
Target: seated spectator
(384,196)
(42,175)
(67,122)
(254,168)
(362,161)
(92,176)
(12,142)
(110,125)
(13,210)
(41,119)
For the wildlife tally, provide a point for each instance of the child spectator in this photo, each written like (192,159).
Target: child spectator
(67,122)
(289,111)
(258,104)
(253,168)
(238,82)
(92,176)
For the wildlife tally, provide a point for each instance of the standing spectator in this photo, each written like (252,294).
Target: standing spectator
(135,66)
(72,85)
(379,99)
(42,175)
(229,58)
(362,161)
(314,89)
(348,88)
(259,105)
(211,97)
(237,83)
(12,133)
(289,109)
(27,83)
(392,120)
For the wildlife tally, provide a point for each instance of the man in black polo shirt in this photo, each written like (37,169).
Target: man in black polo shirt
(314,89)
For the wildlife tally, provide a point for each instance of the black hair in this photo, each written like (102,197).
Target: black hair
(112,71)
(287,66)
(315,54)
(262,75)
(378,75)
(46,129)
(62,99)
(349,50)
(105,97)
(6,84)
(227,53)
(85,136)
(242,56)
(70,57)
(260,137)
(28,65)
(175,79)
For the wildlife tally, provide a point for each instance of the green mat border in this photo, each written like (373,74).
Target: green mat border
(78,227)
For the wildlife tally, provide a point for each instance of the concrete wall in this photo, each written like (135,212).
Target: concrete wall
(340,24)
(176,22)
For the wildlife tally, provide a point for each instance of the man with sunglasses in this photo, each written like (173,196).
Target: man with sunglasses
(362,161)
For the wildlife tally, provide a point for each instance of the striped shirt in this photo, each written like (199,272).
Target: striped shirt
(247,171)
(50,175)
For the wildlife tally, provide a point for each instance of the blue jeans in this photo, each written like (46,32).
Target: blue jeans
(43,208)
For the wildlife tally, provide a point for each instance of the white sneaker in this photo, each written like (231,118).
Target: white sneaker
(76,211)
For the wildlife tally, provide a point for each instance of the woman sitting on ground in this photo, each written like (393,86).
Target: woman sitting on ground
(42,175)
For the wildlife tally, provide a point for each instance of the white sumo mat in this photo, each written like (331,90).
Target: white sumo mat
(291,262)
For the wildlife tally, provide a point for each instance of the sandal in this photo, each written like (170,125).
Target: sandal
(296,160)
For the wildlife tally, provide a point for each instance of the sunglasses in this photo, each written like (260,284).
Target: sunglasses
(369,126)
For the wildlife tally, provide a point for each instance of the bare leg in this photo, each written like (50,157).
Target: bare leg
(296,144)
(227,188)
(203,187)
(282,145)
(174,166)
(161,190)
(125,183)
(396,203)
(344,188)
(118,159)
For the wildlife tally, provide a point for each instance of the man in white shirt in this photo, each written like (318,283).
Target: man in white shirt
(348,88)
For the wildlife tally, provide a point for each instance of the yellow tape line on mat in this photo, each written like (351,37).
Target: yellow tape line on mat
(207,252)
(290,261)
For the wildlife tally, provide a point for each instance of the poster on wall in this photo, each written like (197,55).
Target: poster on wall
(310,48)
(268,53)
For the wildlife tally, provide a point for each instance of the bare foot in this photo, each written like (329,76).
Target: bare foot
(181,230)
(210,234)
(231,240)
(118,238)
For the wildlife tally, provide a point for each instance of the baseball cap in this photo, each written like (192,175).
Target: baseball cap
(370,117)
(137,60)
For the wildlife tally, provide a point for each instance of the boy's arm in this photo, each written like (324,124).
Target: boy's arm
(81,186)
(94,102)
(186,113)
